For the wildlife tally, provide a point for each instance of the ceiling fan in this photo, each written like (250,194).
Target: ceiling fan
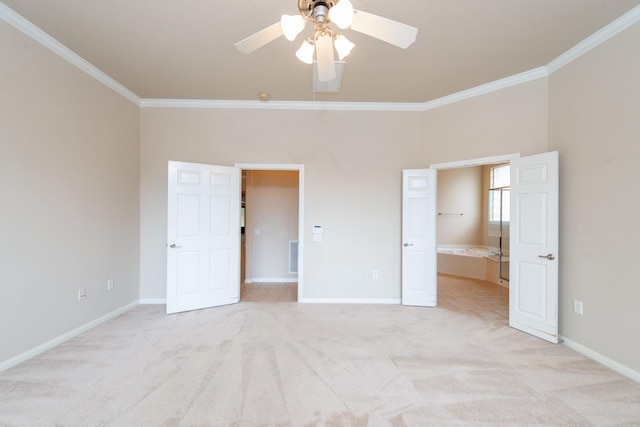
(324,38)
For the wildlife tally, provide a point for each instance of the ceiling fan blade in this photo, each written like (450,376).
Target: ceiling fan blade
(326,64)
(260,38)
(387,30)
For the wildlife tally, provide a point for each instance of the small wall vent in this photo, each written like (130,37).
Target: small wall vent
(293,257)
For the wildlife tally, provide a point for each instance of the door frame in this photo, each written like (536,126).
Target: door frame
(300,169)
(482,161)
(506,158)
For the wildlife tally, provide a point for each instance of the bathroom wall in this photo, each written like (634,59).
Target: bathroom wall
(460,191)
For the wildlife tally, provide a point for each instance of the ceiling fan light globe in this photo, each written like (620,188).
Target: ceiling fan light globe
(342,14)
(305,53)
(292,25)
(343,46)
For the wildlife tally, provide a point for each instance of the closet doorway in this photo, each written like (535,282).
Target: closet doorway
(272,245)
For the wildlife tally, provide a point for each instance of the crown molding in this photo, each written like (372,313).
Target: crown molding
(625,21)
(494,86)
(281,105)
(17,21)
(349,106)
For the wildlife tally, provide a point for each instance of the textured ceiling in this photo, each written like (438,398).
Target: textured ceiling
(184,49)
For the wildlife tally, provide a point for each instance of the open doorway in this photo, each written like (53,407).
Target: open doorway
(533,231)
(271,245)
(473,205)
(473,237)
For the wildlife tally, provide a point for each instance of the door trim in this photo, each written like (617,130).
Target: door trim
(476,162)
(300,169)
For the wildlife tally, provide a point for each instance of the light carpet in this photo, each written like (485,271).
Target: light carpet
(289,364)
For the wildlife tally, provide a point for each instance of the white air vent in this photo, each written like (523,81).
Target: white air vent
(293,257)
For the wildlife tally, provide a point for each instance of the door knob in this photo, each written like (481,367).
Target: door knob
(408,244)
(174,246)
(550,257)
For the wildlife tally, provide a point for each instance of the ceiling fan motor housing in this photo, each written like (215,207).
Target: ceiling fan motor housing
(316,10)
(307,6)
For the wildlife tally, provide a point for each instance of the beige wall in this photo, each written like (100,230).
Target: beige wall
(594,114)
(353,163)
(507,121)
(460,191)
(69,177)
(69,167)
(353,168)
(272,209)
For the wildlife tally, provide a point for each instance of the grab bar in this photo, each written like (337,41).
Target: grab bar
(450,214)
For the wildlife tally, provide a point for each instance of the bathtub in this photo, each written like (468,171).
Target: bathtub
(466,261)
(473,251)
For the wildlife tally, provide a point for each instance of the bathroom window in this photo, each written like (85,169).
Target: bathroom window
(500,176)
(499,216)
(499,195)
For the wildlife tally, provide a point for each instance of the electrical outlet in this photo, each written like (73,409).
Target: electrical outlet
(374,274)
(577,306)
(109,284)
(82,294)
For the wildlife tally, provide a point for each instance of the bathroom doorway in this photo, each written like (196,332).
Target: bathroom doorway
(533,239)
(473,222)
(471,236)
(533,284)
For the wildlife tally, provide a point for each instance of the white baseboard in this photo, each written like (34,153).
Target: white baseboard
(16,360)
(349,301)
(152,301)
(272,280)
(609,363)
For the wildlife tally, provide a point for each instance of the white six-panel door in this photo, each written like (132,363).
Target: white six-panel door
(203,236)
(533,285)
(419,271)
